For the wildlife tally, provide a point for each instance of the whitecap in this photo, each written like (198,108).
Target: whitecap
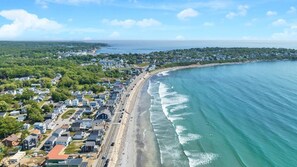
(197,159)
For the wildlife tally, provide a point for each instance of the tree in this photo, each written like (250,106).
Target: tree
(47,109)
(34,114)
(3,106)
(57,96)
(27,95)
(24,134)
(9,125)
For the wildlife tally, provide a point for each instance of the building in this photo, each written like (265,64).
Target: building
(59,108)
(14,113)
(63,140)
(30,142)
(75,102)
(89,146)
(104,115)
(40,126)
(77,162)
(68,103)
(94,104)
(78,136)
(95,136)
(85,103)
(50,124)
(58,132)
(11,141)
(56,155)
(50,143)
(17,157)
(3,114)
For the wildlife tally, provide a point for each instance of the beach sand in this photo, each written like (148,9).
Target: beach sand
(140,149)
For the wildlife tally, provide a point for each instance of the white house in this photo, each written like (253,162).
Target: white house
(68,102)
(14,113)
(50,124)
(63,140)
(75,102)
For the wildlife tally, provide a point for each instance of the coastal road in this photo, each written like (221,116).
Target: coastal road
(113,131)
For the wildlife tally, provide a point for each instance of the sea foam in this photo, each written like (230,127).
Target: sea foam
(198,159)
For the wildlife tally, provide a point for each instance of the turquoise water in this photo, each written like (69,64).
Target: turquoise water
(226,116)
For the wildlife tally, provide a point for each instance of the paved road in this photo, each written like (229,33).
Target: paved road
(59,122)
(111,135)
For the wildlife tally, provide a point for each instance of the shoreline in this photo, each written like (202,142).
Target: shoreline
(128,149)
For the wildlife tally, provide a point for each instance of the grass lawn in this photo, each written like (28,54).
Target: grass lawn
(74,147)
(68,113)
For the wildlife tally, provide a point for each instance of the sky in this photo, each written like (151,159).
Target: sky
(148,19)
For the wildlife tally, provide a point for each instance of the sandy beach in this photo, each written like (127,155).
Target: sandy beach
(136,143)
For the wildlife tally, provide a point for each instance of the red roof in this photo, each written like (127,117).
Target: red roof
(57,153)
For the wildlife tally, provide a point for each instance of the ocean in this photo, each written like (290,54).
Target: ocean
(226,116)
(147,46)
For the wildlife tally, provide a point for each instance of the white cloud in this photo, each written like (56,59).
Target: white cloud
(130,22)
(288,34)
(241,11)
(292,10)
(44,3)
(271,13)
(180,37)
(115,34)
(208,24)
(23,21)
(279,22)
(147,22)
(187,13)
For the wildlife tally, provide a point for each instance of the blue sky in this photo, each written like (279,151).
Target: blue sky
(148,19)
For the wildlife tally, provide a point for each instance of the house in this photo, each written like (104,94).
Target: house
(16,157)
(14,113)
(94,104)
(89,146)
(68,103)
(40,126)
(59,108)
(3,114)
(30,142)
(78,136)
(95,136)
(80,97)
(50,143)
(104,115)
(58,132)
(77,162)
(37,133)
(76,126)
(51,116)
(63,140)
(86,103)
(26,126)
(56,154)
(99,124)
(11,141)
(88,110)
(35,85)
(22,118)
(50,124)
(75,102)
(78,114)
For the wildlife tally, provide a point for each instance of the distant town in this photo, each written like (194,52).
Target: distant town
(60,100)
